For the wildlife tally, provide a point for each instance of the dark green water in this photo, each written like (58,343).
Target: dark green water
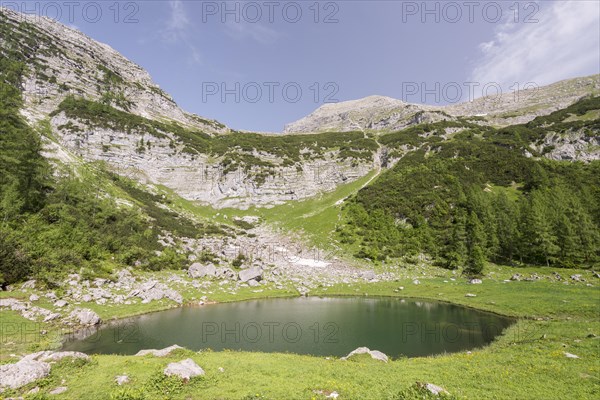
(317,326)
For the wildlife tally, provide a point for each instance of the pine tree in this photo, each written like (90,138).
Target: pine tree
(507,228)
(457,247)
(538,229)
(475,242)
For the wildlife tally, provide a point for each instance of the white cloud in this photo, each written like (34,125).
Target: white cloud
(564,43)
(254,31)
(176,30)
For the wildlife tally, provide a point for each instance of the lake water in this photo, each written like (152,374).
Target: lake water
(318,326)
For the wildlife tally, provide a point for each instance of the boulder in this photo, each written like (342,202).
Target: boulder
(250,273)
(153,290)
(378,355)
(85,316)
(47,356)
(58,390)
(9,302)
(30,284)
(226,273)
(34,297)
(475,281)
(197,270)
(185,369)
(25,371)
(159,353)
(253,283)
(433,389)
(60,303)
(375,354)
(470,295)
(569,355)
(121,379)
(516,277)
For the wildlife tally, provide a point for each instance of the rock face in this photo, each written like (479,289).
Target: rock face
(373,112)
(185,369)
(25,371)
(85,316)
(83,68)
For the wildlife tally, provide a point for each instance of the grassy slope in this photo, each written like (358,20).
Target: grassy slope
(527,362)
(315,218)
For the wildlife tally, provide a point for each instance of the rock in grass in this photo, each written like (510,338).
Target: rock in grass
(85,316)
(60,303)
(58,390)
(431,388)
(121,379)
(159,353)
(475,281)
(47,355)
(185,369)
(25,371)
(197,270)
(375,354)
(569,355)
(470,295)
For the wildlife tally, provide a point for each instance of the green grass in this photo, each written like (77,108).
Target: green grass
(526,362)
(314,218)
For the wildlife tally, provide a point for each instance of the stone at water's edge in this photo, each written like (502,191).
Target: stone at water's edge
(159,353)
(185,369)
(375,354)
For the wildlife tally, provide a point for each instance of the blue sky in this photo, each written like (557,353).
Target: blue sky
(338,50)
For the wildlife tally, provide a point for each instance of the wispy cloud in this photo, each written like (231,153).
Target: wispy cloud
(177,28)
(254,31)
(565,42)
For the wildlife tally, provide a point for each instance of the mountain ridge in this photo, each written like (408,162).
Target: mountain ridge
(381,113)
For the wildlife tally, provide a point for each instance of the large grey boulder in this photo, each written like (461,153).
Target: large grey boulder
(375,354)
(185,369)
(159,353)
(25,371)
(85,316)
(250,273)
(197,270)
